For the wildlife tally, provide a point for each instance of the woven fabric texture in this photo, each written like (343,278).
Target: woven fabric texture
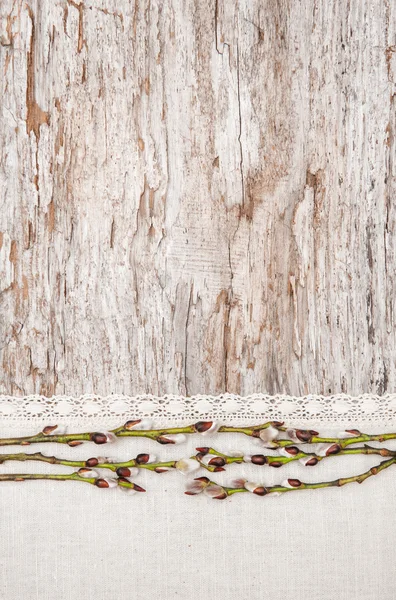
(66,540)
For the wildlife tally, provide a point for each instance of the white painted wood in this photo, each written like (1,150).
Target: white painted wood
(197,197)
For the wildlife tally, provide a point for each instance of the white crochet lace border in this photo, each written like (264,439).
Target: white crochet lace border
(255,408)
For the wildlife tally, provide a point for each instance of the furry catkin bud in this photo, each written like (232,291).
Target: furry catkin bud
(291,483)
(106,482)
(142,459)
(83,472)
(137,488)
(102,483)
(328,449)
(196,486)
(238,483)
(288,451)
(171,438)
(215,491)
(309,461)
(260,491)
(211,460)
(294,482)
(49,429)
(203,426)
(258,459)
(99,438)
(275,463)
(334,449)
(304,435)
(123,472)
(255,488)
(268,434)
(131,424)
(217,461)
(139,425)
(91,462)
(187,465)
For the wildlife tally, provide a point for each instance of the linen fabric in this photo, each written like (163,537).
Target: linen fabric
(68,540)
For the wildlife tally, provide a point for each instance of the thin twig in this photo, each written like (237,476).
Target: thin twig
(167,435)
(121,468)
(291,453)
(218,492)
(97,481)
(267,432)
(214,464)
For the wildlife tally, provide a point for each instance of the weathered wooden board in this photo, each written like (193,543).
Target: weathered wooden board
(197,196)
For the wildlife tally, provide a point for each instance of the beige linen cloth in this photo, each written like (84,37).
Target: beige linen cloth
(66,540)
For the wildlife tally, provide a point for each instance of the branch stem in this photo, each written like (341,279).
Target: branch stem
(342,442)
(61,477)
(272,460)
(160,435)
(299,485)
(277,461)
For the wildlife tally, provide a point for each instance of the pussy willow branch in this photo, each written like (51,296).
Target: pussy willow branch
(309,437)
(127,430)
(97,481)
(278,461)
(121,467)
(116,467)
(218,463)
(206,485)
(219,492)
(168,435)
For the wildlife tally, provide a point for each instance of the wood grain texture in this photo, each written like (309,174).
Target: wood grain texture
(197,196)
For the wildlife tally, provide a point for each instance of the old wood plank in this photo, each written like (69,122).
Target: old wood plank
(197,197)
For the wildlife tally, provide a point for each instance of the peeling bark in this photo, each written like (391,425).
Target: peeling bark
(197,197)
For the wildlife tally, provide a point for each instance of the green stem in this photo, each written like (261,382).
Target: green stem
(37,456)
(97,437)
(341,442)
(60,477)
(313,486)
(41,438)
(160,435)
(112,466)
(277,461)
(249,430)
(153,434)
(53,460)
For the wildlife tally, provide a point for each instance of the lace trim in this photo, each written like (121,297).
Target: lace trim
(338,408)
